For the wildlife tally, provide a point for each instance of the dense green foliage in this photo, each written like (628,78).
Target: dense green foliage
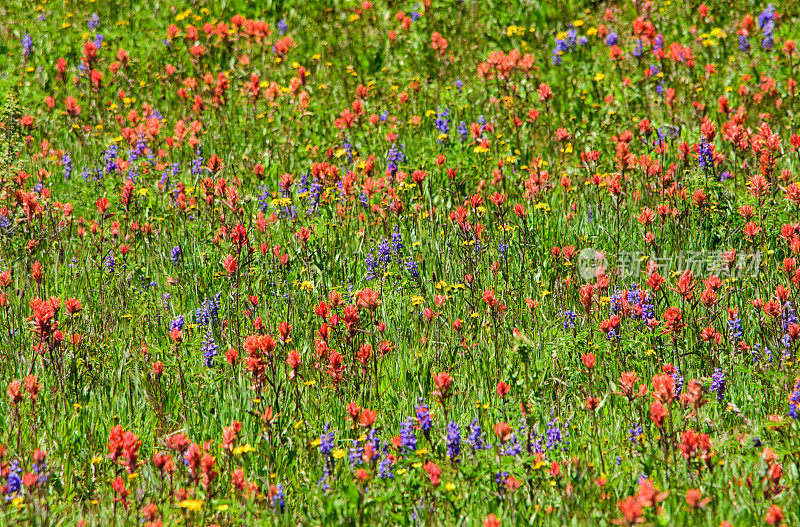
(405,263)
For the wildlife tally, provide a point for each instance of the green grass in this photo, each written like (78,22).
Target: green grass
(98,371)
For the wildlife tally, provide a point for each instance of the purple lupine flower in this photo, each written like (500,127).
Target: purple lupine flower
(66,162)
(279,499)
(704,156)
(475,437)
(208,310)
(443,121)
(177,323)
(349,149)
(138,150)
(327,440)
(385,467)
(569,319)
(766,21)
(453,440)
(735,327)
(554,435)
(788,316)
(718,384)
(500,479)
(13,484)
(634,433)
(197,163)
(356,455)
(375,443)
(394,158)
(638,48)
(323,483)
(110,158)
(27,46)
(424,418)
(412,268)
(408,439)
(372,266)
(110,262)
(209,349)
(744,43)
(397,240)
(679,380)
(264,200)
(511,447)
(384,252)
(794,401)
(40,469)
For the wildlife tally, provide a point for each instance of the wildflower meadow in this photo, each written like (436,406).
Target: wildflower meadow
(399,262)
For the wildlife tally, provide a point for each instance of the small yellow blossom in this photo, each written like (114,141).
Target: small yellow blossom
(192,505)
